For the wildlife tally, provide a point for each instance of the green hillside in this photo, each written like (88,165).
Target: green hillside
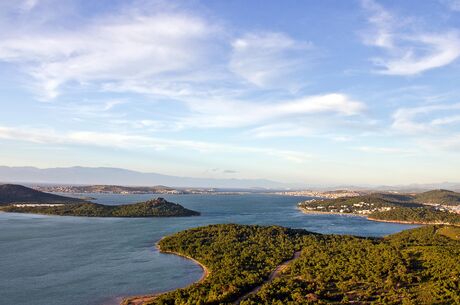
(152,208)
(443,197)
(419,266)
(13,193)
(416,208)
(417,215)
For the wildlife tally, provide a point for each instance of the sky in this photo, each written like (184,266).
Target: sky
(309,92)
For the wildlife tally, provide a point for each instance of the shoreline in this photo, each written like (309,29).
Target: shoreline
(413,222)
(378,220)
(329,213)
(141,299)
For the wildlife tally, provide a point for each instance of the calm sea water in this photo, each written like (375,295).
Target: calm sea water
(52,260)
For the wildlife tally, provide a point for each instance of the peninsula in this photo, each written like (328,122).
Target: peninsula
(251,265)
(20,199)
(433,207)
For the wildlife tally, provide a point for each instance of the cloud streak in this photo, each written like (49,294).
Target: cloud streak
(409,52)
(266,58)
(120,48)
(131,141)
(433,118)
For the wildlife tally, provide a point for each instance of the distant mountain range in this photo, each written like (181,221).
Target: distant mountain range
(117,176)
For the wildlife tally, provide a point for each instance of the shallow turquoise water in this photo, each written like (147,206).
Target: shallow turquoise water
(52,260)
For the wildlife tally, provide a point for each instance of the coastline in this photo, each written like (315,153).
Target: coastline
(305,211)
(141,299)
(413,222)
(379,220)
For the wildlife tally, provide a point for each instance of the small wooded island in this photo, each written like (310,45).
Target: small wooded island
(433,207)
(20,199)
(253,265)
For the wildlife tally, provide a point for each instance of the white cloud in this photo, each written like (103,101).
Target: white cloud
(132,141)
(382,34)
(120,48)
(224,113)
(432,118)
(436,50)
(265,59)
(409,52)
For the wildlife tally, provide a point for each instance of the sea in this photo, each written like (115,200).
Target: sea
(56,260)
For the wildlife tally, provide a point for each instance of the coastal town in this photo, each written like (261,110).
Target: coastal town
(323,194)
(361,208)
(117,189)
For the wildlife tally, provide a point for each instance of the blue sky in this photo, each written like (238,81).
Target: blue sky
(313,92)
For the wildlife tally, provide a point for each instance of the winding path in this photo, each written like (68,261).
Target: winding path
(140,300)
(275,274)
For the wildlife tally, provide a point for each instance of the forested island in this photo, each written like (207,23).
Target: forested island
(20,199)
(418,266)
(433,207)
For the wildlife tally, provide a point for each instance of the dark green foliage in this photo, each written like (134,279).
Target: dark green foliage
(238,257)
(393,207)
(420,266)
(152,208)
(442,197)
(418,215)
(13,193)
(372,201)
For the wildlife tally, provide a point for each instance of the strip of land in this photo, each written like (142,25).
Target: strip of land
(434,207)
(20,199)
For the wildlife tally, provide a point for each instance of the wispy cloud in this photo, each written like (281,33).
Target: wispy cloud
(133,141)
(238,113)
(119,48)
(409,51)
(266,58)
(425,119)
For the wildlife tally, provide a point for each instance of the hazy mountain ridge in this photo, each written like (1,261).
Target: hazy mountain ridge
(118,176)
(79,175)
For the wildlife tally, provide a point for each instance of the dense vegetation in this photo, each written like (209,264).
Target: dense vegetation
(152,208)
(418,215)
(13,193)
(420,266)
(442,197)
(238,258)
(414,267)
(428,207)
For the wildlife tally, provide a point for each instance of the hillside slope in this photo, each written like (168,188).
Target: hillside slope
(442,197)
(13,193)
(152,208)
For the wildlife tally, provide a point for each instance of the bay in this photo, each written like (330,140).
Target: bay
(55,260)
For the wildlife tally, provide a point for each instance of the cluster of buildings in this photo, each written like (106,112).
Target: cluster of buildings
(362,208)
(32,205)
(322,194)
